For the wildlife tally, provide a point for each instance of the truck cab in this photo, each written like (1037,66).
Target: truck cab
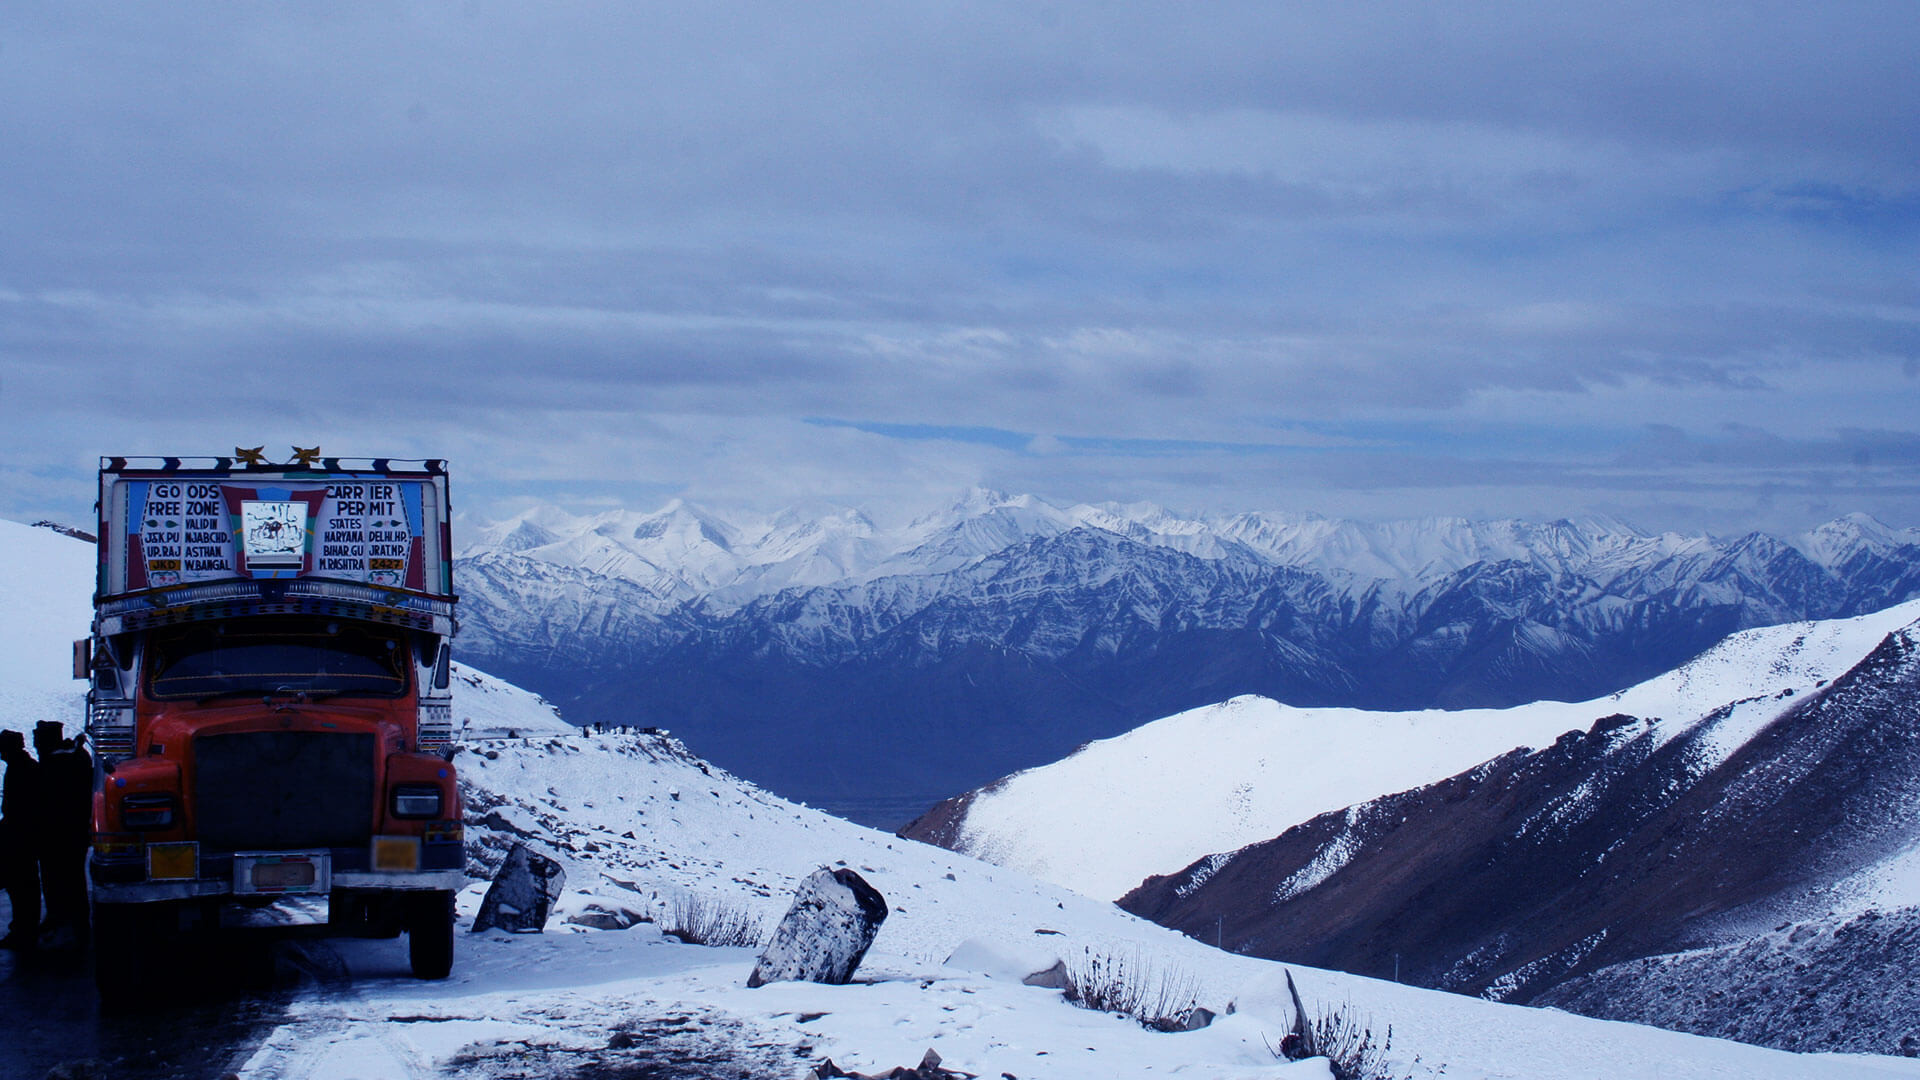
(270,702)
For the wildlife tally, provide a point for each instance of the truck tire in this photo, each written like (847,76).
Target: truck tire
(430,934)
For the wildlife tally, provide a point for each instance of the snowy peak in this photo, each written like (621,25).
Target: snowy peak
(534,527)
(515,536)
(1846,538)
(678,526)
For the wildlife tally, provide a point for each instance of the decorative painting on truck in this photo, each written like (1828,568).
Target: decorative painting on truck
(273,533)
(183,532)
(185,529)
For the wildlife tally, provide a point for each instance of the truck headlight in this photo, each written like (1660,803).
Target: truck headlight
(416,801)
(147,810)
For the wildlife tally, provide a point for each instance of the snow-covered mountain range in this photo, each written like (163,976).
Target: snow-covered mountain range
(727,559)
(1004,631)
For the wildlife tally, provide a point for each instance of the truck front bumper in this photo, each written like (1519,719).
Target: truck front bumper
(125,880)
(450,880)
(145,892)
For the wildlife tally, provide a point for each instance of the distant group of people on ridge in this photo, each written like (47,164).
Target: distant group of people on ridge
(46,811)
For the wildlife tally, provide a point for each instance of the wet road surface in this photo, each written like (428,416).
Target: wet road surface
(201,1025)
(234,991)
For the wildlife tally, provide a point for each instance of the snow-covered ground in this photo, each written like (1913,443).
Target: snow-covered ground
(640,824)
(485,707)
(1214,779)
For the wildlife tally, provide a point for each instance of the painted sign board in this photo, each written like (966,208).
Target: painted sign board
(166,528)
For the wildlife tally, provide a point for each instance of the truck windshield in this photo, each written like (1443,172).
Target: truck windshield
(277,655)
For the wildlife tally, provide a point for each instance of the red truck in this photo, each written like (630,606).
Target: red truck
(269,702)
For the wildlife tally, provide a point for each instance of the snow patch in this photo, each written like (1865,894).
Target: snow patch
(1326,862)
(1203,871)
(1565,960)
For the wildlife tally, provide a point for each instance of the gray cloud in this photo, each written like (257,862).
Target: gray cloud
(670,236)
(1741,445)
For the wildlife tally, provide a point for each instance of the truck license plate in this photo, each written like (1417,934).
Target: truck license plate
(281,873)
(173,862)
(396,853)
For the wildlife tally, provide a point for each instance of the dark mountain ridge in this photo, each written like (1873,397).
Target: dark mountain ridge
(1540,868)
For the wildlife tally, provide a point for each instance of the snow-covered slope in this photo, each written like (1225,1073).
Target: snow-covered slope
(1795,987)
(1217,778)
(486,707)
(639,823)
(46,604)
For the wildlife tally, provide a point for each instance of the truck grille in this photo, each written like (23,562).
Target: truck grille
(280,790)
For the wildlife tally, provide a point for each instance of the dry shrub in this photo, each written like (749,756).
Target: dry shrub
(1160,997)
(708,920)
(1347,1042)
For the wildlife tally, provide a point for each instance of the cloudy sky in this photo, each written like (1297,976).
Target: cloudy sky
(1655,260)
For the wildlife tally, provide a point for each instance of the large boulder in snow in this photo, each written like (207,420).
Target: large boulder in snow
(603,914)
(522,893)
(826,932)
(1031,964)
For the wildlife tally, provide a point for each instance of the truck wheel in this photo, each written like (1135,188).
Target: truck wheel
(430,934)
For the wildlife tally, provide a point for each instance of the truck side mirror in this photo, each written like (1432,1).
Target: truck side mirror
(83,658)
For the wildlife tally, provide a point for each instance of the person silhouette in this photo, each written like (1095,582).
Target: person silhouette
(19,841)
(65,827)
